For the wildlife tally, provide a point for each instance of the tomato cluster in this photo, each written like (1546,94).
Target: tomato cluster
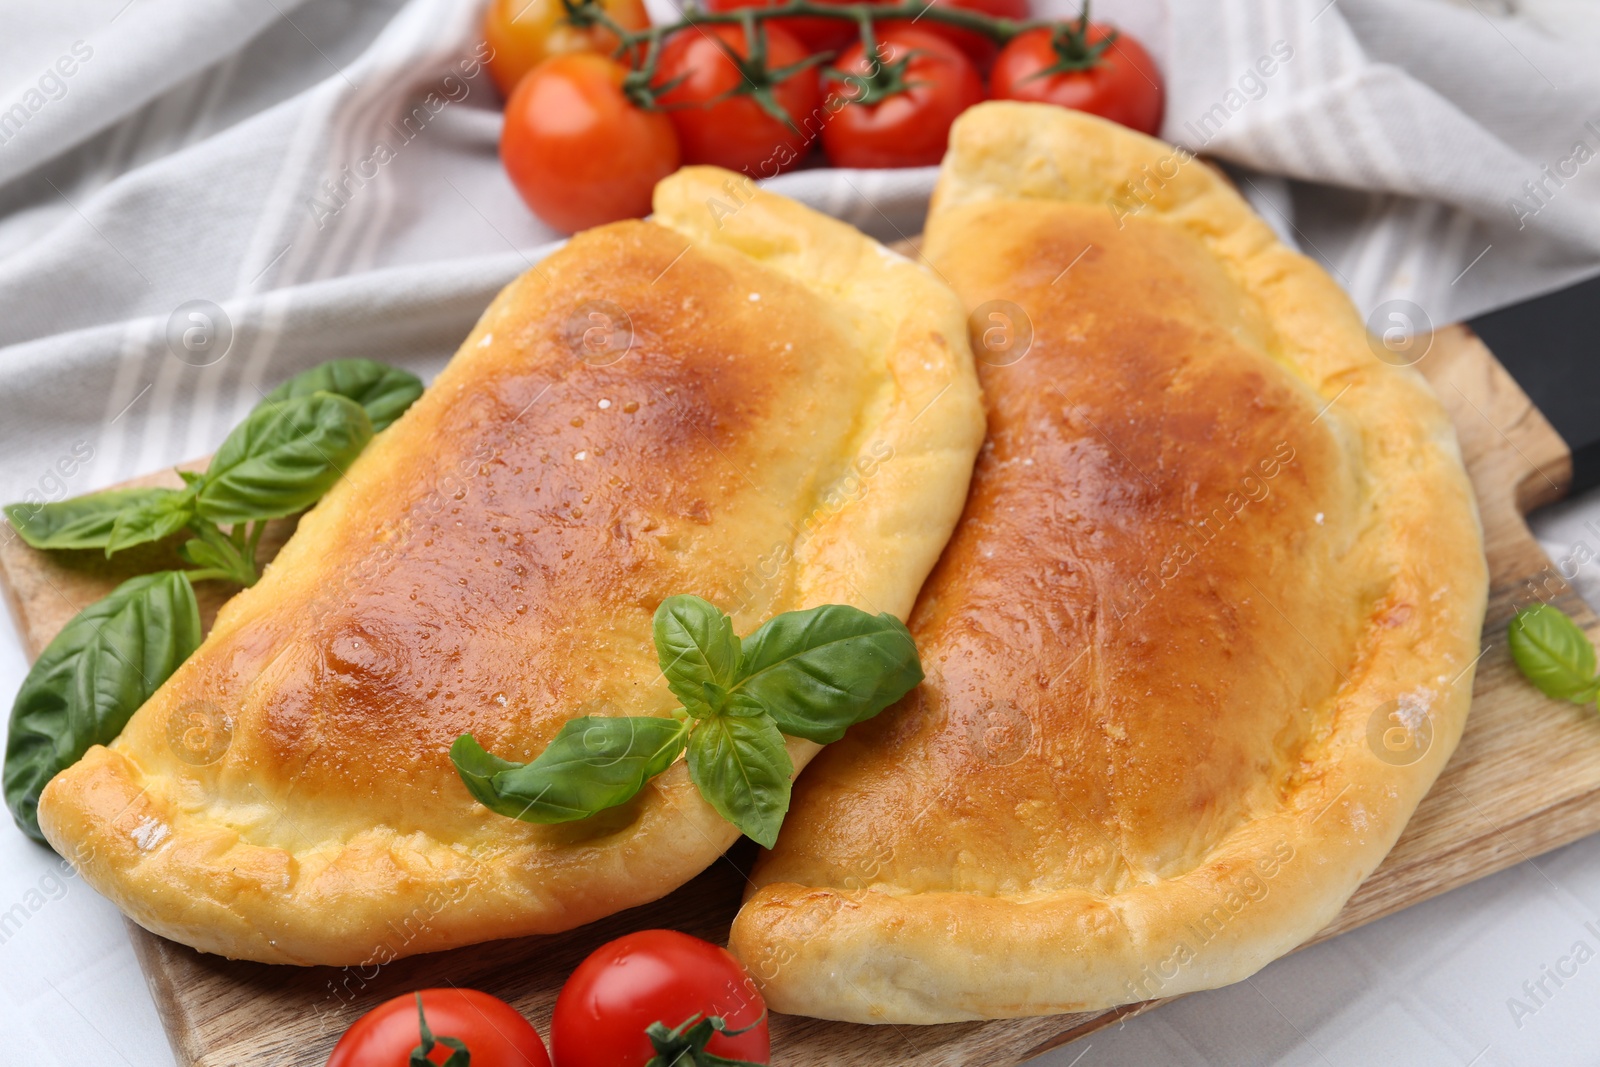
(594,121)
(653,996)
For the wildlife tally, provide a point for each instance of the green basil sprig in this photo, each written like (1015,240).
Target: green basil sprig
(810,674)
(89,680)
(293,445)
(113,655)
(1554,653)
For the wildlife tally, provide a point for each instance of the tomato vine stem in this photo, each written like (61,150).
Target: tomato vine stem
(641,49)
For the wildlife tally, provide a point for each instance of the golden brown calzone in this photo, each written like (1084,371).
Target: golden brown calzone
(742,399)
(1203,638)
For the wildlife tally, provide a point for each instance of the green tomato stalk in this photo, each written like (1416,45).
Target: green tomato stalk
(640,50)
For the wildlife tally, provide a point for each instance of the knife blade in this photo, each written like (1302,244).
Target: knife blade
(1551,346)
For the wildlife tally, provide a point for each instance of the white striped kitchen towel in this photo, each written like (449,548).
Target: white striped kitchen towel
(326,174)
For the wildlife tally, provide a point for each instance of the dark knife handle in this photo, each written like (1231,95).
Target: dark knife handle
(1551,346)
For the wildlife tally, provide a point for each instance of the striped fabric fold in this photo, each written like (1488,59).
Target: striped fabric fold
(325,177)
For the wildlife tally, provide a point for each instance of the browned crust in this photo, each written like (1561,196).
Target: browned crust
(1186,585)
(491,565)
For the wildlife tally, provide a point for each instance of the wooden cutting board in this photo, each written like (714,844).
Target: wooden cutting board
(1526,779)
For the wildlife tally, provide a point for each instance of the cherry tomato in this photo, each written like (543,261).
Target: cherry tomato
(524,33)
(929,82)
(1121,84)
(579,151)
(654,976)
(736,133)
(817,34)
(495,1034)
(980,49)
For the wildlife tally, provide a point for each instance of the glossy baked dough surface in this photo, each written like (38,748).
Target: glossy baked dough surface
(1186,582)
(743,400)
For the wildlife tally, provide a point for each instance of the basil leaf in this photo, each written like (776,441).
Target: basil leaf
(594,763)
(477,767)
(385,392)
(203,555)
(696,648)
(282,458)
(1554,653)
(740,766)
(79,522)
(818,672)
(89,681)
(152,519)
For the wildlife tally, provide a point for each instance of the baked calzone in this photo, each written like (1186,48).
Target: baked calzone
(741,399)
(1201,642)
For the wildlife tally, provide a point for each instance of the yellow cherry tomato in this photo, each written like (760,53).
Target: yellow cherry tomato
(524,33)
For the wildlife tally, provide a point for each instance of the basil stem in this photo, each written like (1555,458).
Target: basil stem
(230,557)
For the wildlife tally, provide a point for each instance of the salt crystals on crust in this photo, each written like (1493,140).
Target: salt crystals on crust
(150,833)
(1415,707)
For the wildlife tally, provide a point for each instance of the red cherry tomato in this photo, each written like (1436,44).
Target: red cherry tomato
(817,34)
(980,49)
(521,34)
(648,977)
(579,151)
(495,1034)
(911,126)
(736,133)
(1122,84)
